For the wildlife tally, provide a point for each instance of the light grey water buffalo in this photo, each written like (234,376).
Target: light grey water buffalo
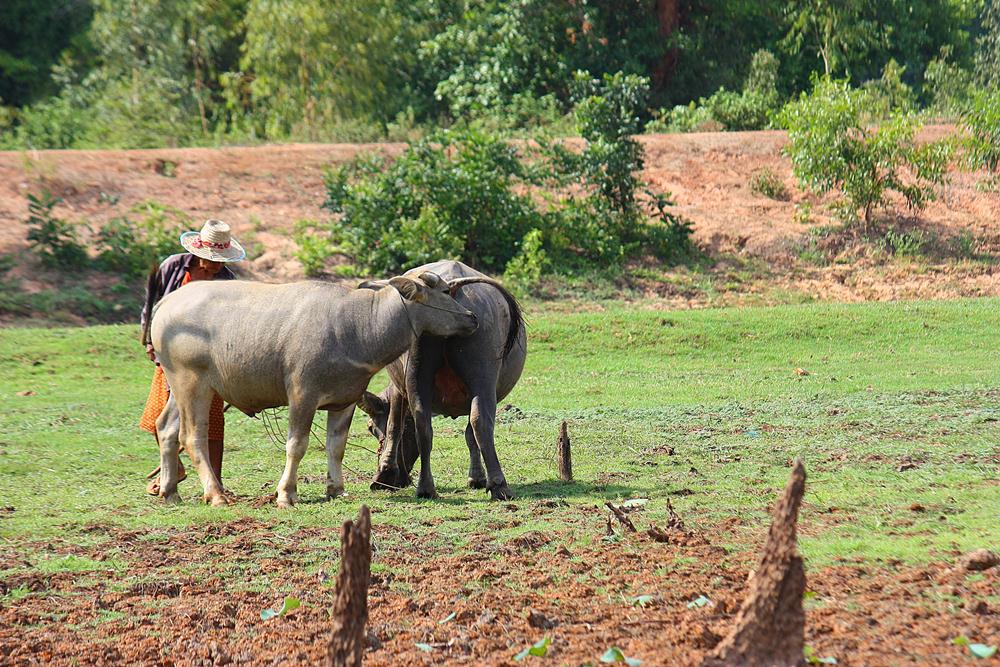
(453,377)
(310,345)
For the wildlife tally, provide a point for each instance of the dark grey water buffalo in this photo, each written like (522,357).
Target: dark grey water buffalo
(453,377)
(311,346)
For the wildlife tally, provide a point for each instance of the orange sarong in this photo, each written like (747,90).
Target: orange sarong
(159,393)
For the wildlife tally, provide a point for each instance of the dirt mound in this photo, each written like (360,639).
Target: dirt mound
(762,246)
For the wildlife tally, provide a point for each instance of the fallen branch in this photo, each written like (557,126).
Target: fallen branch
(621,516)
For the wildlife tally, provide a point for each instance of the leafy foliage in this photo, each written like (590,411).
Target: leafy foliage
(130,247)
(53,239)
(948,85)
(750,110)
(988,45)
(765,182)
(449,192)
(467,195)
(981,123)
(832,146)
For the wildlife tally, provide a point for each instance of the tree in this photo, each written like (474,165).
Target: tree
(834,28)
(988,45)
(33,35)
(833,146)
(309,63)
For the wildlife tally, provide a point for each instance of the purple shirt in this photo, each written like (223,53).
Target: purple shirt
(170,276)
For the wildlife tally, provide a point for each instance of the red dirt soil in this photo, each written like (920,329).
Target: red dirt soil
(481,606)
(262,191)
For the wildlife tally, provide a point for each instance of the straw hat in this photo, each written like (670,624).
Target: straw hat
(213,242)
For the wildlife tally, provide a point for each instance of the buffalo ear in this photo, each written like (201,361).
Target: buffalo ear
(373,405)
(410,289)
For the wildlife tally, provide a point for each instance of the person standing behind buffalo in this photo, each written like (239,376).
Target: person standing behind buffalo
(208,252)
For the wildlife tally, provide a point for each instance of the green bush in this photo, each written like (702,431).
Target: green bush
(981,122)
(690,118)
(948,85)
(889,93)
(474,197)
(315,247)
(833,147)
(130,247)
(765,182)
(54,240)
(524,271)
(453,191)
(750,109)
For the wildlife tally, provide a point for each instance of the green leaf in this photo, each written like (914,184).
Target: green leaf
(982,650)
(699,601)
(810,655)
(539,649)
(614,654)
(289,604)
(447,618)
(426,648)
(634,502)
(642,600)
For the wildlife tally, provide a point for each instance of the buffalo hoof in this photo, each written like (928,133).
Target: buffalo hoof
(501,492)
(219,500)
(426,491)
(172,498)
(287,500)
(389,480)
(335,492)
(478,483)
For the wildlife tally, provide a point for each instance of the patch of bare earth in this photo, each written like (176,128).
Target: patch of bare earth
(180,600)
(264,190)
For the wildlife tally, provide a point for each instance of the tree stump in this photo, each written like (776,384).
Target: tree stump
(563,455)
(769,630)
(350,609)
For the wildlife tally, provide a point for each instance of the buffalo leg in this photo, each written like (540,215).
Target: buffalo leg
(482,417)
(393,473)
(299,424)
(194,401)
(168,431)
(338,426)
(477,476)
(420,370)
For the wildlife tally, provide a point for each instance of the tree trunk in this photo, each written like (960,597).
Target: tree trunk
(770,627)
(668,19)
(350,609)
(563,455)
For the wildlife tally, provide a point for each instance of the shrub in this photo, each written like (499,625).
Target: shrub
(948,85)
(832,147)
(690,118)
(315,247)
(130,247)
(524,271)
(474,197)
(454,191)
(904,244)
(750,109)
(765,182)
(54,240)
(981,122)
(889,93)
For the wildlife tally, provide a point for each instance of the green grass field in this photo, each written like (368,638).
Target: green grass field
(899,408)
